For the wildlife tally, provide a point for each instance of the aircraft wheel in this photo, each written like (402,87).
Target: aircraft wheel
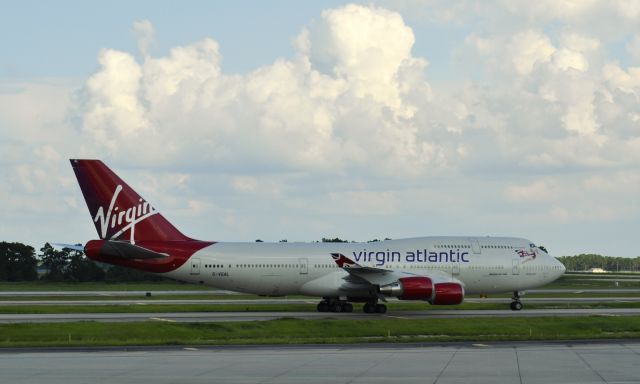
(368,308)
(347,307)
(323,306)
(381,308)
(336,307)
(516,306)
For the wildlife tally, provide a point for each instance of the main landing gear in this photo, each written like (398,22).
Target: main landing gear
(373,307)
(516,304)
(334,305)
(329,304)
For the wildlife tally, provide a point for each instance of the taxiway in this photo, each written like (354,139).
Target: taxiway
(576,362)
(189,317)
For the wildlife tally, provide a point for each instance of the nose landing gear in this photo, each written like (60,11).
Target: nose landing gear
(516,304)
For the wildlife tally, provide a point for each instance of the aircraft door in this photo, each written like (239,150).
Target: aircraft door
(195,266)
(516,267)
(475,246)
(304,265)
(455,268)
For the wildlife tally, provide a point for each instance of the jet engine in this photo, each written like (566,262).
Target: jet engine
(423,288)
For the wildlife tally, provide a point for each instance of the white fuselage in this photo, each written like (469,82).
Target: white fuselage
(480,264)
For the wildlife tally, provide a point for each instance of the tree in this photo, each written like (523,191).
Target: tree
(584,262)
(54,261)
(17,262)
(334,240)
(80,269)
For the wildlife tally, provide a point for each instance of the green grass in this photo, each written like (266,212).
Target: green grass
(203,296)
(284,307)
(290,331)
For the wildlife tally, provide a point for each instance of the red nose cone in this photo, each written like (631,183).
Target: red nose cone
(92,249)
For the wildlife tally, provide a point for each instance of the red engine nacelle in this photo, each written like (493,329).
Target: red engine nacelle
(416,288)
(422,288)
(410,288)
(448,294)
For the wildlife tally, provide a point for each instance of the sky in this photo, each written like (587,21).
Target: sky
(300,120)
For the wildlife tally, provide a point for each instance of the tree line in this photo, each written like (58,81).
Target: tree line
(586,261)
(19,262)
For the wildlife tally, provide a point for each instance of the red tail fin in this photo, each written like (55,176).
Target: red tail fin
(118,212)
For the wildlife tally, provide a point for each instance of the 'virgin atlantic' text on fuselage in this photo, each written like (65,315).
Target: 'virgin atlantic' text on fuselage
(417,256)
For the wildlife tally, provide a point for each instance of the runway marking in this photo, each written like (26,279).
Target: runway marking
(480,345)
(161,319)
(397,317)
(190,349)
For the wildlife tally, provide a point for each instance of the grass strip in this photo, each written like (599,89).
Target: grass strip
(293,331)
(150,299)
(160,308)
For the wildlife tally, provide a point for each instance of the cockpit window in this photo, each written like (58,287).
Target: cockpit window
(544,249)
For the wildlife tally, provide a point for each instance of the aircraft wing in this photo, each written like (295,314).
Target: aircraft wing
(381,276)
(351,266)
(372,275)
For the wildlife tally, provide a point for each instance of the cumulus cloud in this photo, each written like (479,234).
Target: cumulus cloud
(578,199)
(354,100)
(348,99)
(145,32)
(633,47)
(542,120)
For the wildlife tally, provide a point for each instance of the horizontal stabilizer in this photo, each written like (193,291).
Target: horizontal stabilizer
(121,250)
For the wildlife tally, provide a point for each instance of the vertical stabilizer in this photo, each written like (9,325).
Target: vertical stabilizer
(118,212)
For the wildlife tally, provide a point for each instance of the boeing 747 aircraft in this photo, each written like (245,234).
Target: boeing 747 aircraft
(437,270)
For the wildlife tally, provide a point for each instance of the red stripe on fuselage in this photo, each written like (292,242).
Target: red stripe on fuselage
(179,253)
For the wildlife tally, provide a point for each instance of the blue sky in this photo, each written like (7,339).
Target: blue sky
(304,120)
(62,39)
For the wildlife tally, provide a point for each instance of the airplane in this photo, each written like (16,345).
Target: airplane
(437,270)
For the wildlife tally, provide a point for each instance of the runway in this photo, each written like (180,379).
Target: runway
(223,292)
(587,363)
(275,301)
(189,317)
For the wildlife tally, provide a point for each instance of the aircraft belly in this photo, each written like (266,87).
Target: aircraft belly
(333,284)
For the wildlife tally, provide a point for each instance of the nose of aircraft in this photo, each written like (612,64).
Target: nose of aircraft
(559,267)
